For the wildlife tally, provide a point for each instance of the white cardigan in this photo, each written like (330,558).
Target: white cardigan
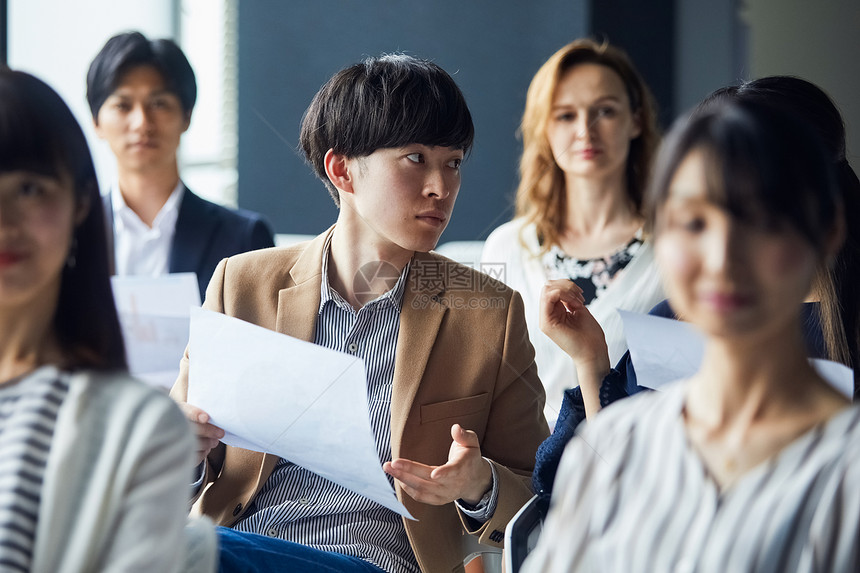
(115,492)
(637,289)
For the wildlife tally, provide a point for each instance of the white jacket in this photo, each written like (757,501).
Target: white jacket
(116,486)
(637,289)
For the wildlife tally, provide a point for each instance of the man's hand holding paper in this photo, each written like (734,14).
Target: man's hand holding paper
(208,435)
(276,394)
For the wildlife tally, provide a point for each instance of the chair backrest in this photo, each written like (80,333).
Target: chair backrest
(286,240)
(481,558)
(464,252)
(522,532)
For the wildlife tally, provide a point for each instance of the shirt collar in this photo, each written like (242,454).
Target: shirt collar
(393,297)
(168,212)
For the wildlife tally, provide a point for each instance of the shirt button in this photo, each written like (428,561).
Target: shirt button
(304,500)
(272,532)
(352,347)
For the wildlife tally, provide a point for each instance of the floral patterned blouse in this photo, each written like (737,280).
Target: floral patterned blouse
(593,276)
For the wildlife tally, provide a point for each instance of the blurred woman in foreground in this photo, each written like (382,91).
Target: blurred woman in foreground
(830,317)
(94,465)
(752,463)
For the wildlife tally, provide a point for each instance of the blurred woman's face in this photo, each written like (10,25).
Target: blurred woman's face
(729,277)
(38,214)
(591,125)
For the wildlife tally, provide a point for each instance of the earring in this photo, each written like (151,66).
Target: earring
(71,259)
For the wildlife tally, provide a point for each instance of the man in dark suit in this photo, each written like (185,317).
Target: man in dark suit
(141,93)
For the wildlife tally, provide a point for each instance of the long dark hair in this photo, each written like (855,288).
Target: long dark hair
(764,166)
(38,133)
(839,307)
(811,104)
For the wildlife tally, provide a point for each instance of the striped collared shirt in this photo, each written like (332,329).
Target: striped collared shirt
(296,504)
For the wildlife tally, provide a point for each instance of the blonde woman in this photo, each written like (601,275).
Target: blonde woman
(589,134)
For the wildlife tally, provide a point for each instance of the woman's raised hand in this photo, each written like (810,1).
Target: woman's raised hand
(568,322)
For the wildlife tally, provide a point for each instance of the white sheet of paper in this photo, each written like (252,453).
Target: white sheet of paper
(273,393)
(839,375)
(664,350)
(153,315)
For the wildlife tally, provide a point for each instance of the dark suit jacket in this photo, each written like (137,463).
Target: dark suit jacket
(205,234)
(463,355)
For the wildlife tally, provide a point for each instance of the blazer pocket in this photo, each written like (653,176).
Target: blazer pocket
(454,408)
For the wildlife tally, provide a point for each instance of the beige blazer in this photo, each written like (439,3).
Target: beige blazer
(463,356)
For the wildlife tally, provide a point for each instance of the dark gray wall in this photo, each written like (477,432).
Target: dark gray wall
(646,31)
(710,49)
(288,49)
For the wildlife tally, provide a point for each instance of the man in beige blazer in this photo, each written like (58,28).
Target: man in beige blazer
(466,405)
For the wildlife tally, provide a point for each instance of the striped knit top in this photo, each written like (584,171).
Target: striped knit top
(28,414)
(633,495)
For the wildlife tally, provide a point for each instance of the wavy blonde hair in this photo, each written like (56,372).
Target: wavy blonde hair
(541,197)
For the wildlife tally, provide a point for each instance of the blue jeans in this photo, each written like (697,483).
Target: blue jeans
(242,552)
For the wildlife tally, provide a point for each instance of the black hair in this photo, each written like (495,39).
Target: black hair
(384,102)
(716,98)
(765,167)
(795,96)
(38,133)
(131,50)
(806,101)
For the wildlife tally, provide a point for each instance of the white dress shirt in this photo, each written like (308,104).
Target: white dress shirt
(138,248)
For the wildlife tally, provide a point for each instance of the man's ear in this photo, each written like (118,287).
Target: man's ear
(187,123)
(337,168)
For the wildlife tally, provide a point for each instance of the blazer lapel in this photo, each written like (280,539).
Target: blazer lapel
(193,233)
(420,318)
(299,303)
